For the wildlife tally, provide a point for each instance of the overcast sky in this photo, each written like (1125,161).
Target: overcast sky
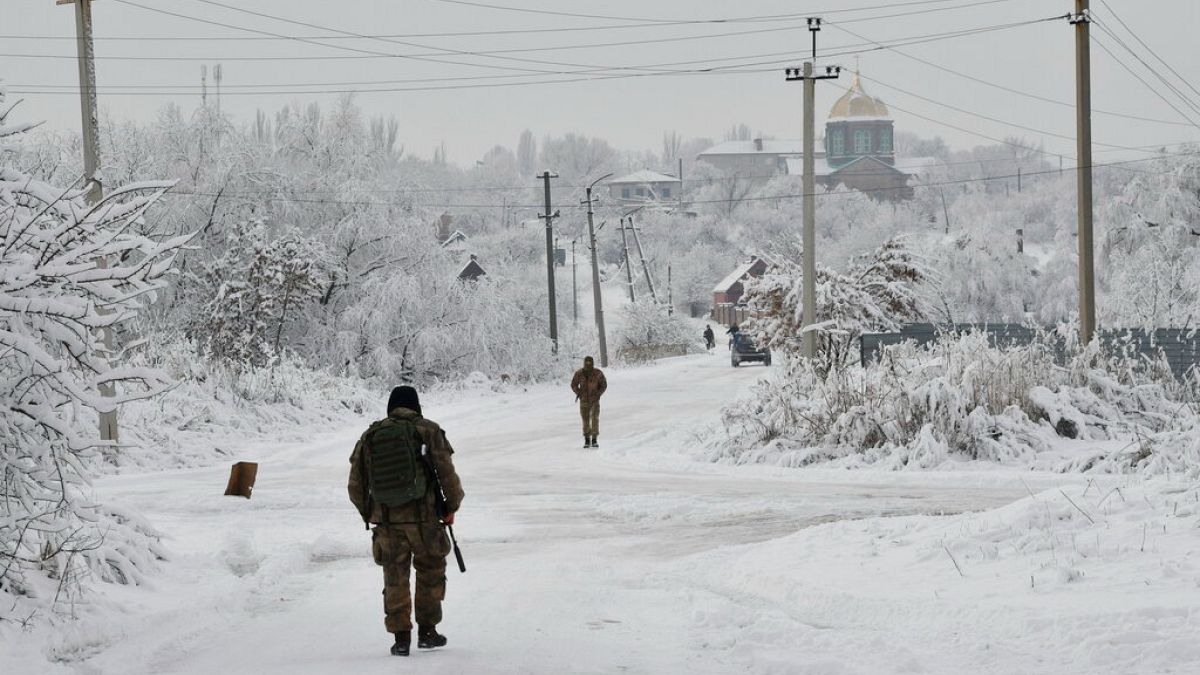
(630,112)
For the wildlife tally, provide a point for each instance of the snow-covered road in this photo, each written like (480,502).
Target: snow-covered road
(627,559)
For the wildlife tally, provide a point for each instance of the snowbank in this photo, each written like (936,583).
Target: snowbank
(960,400)
(1082,579)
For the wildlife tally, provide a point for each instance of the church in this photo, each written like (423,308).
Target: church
(858,153)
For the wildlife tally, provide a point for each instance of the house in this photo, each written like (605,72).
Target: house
(472,270)
(456,241)
(759,159)
(858,151)
(645,187)
(727,294)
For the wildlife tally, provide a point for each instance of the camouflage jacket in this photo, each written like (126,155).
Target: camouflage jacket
(421,511)
(589,387)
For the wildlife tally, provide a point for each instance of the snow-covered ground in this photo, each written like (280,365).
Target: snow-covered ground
(637,558)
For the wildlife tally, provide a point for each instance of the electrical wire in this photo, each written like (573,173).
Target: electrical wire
(961,181)
(603,72)
(1100,43)
(994,85)
(1149,48)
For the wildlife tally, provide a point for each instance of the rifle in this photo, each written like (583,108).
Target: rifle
(440,506)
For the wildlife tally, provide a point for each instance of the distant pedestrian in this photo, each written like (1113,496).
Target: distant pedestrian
(710,340)
(732,333)
(394,472)
(589,385)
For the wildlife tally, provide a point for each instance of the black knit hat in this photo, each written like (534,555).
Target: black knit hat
(404,397)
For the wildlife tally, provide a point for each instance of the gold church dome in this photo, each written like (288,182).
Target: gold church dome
(858,103)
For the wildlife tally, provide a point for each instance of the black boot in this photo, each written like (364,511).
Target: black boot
(428,638)
(587,441)
(403,641)
(595,443)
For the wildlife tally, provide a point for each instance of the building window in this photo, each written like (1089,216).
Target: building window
(641,192)
(862,142)
(665,192)
(625,193)
(885,140)
(837,143)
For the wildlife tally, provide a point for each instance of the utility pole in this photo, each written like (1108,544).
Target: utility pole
(681,186)
(1083,152)
(597,303)
(1018,180)
(628,262)
(637,241)
(574,286)
(810,231)
(550,216)
(91,164)
(670,296)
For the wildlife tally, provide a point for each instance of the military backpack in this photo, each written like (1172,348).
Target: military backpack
(396,472)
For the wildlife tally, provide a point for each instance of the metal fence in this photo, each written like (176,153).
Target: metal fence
(1180,346)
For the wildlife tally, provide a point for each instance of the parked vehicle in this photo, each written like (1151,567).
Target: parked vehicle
(745,350)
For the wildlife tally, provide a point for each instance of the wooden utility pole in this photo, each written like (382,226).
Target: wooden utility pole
(574,286)
(1083,152)
(597,303)
(637,241)
(628,262)
(809,294)
(89,113)
(549,217)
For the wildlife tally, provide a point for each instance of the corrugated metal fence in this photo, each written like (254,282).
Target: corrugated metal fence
(1181,347)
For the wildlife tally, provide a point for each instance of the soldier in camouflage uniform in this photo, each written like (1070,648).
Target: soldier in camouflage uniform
(589,385)
(410,535)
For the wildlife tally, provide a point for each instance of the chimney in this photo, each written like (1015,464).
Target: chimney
(758,144)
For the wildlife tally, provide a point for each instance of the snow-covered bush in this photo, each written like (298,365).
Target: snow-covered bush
(961,398)
(648,326)
(878,292)
(68,271)
(262,283)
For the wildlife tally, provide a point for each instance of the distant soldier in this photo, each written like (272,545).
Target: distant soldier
(710,339)
(393,475)
(589,385)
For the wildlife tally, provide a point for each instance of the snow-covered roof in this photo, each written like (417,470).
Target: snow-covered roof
(909,165)
(646,176)
(917,165)
(769,147)
(735,276)
(795,166)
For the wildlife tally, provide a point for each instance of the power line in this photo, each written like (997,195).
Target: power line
(604,72)
(1148,48)
(994,119)
(1001,87)
(1100,43)
(1149,68)
(315,42)
(547,12)
(961,181)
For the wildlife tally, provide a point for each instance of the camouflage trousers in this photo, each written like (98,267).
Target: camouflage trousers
(423,546)
(590,412)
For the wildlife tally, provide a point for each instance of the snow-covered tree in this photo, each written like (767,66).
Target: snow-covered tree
(266,281)
(878,292)
(68,271)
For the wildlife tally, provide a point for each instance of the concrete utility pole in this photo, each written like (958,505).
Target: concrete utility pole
(574,286)
(91,164)
(1083,153)
(637,241)
(670,296)
(597,303)
(810,230)
(628,262)
(550,216)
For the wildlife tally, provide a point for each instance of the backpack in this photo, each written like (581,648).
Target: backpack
(395,470)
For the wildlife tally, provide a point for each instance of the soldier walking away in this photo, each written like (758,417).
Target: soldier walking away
(589,385)
(393,483)
(710,340)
